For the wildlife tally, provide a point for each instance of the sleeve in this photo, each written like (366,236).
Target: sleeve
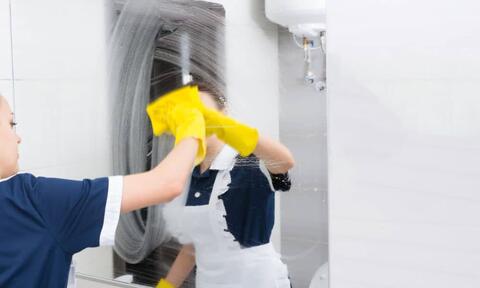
(78,214)
(112,211)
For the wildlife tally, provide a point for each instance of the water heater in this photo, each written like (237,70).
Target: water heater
(304,18)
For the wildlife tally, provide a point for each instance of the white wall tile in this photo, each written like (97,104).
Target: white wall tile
(61,100)
(5,43)
(404,143)
(58,39)
(63,125)
(6,90)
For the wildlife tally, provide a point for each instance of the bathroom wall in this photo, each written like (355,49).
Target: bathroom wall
(303,129)
(404,143)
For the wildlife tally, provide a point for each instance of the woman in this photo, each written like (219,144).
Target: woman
(229,212)
(44,221)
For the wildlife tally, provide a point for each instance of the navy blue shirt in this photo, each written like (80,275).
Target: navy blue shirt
(43,222)
(249,201)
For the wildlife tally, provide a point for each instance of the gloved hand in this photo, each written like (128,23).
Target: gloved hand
(176,113)
(239,136)
(164,284)
(160,109)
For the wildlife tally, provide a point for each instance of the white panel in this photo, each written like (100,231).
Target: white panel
(58,39)
(64,128)
(5,44)
(406,39)
(404,143)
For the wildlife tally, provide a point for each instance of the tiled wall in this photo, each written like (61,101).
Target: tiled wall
(404,143)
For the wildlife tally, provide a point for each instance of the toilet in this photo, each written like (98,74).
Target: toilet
(320,279)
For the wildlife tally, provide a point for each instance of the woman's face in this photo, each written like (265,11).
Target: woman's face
(9,141)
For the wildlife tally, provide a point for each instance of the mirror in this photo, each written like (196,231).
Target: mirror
(156,46)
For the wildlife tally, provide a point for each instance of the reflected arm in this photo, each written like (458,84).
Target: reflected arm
(182,266)
(278,159)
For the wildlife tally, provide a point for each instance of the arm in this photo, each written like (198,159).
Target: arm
(164,182)
(276,156)
(182,266)
(246,140)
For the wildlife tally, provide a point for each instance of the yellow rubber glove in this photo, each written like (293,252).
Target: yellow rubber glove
(159,109)
(164,284)
(189,122)
(239,136)
(180,118)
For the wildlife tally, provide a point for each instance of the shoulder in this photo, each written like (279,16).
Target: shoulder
(22,181)
(28,180)
(56,187)
(21,177)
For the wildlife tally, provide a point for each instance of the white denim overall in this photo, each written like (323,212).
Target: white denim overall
(221,261)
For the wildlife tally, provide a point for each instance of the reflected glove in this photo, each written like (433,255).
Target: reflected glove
(239,136)
(175,113)
(164,284)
